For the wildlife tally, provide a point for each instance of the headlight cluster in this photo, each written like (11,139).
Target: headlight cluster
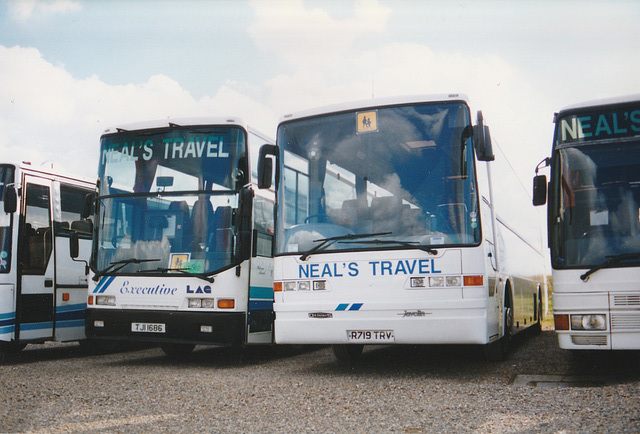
(446,281)
(589,322)
(212,303)
(105,300)
(300,285)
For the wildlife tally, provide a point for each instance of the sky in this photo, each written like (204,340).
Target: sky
(69,69)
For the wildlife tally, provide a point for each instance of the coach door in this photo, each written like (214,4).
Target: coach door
(35,301)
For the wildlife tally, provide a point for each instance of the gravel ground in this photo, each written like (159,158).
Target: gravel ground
(55,388)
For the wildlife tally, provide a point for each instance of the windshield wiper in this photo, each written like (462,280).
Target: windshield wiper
(326,242)
(412,244)
(119,265)
(184,271)
(612,260)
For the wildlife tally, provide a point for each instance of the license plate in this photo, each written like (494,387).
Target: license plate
(370,336)
(145,327)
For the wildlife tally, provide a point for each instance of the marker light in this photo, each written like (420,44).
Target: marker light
(277,286)
(90,300)
(561,322)
(588,322)
(106,300)
(226,303)
(473,280)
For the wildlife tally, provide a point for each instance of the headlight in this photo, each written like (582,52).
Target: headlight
(303,285)
(589,322)
(106,300)
(417,282)
(454,281)
(436,282)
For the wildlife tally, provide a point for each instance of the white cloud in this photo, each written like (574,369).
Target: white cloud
(310,36)
(23,10)
(48,115)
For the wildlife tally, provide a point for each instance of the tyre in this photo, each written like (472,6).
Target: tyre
(347,352)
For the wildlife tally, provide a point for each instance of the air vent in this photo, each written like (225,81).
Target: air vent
(626,300)
(625,322)
(589,340)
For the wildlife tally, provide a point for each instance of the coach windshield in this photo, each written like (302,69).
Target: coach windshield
(167,199)
(389,177)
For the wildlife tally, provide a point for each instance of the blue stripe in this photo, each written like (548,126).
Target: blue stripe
(9,315)
(355,306)
(260,292)
(342,306)
(103,285)
(260,305)
(36,326)
(70,307)
(7,329)
(6,322)
(71,315)
(67,324)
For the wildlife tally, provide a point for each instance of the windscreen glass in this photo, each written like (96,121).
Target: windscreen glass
(597,213)
(167,199)
(403,175)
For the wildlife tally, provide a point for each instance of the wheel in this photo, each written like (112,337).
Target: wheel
(347,352)
(177,350)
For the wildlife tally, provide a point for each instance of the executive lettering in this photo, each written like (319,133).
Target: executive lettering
(147,290)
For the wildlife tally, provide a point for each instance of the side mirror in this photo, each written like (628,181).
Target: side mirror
(74,245)
(265,165)
(88,205)
(10,199)
(74,250)
(539,190)
(482,140)
(244,245)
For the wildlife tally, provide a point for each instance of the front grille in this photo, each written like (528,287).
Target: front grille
(626,300)
(625,321)
(589,340)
